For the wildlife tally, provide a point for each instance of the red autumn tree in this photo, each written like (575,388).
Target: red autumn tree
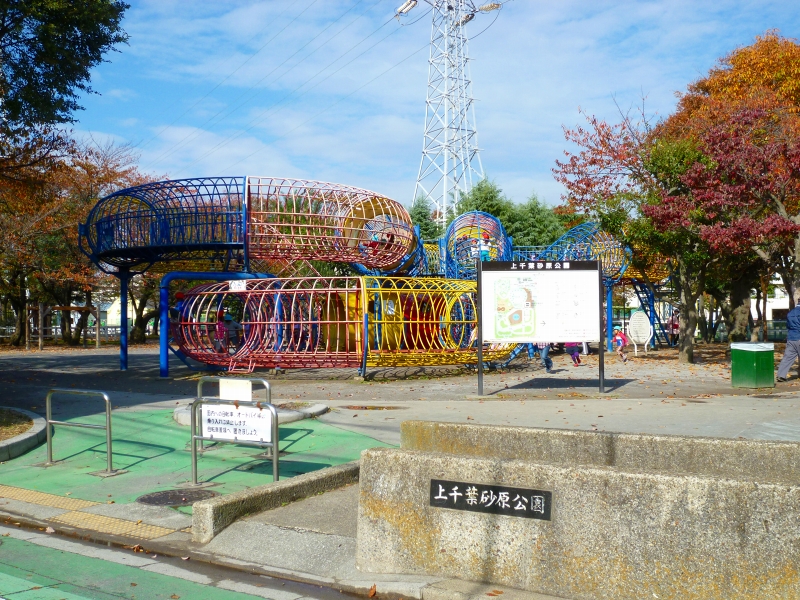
(744,196)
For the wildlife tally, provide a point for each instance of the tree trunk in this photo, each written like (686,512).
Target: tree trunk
(19,323)
(690,283)
(756,332)
(764,292)
(740,311)
(139,331)
(18,304)
(156,322)
(715,324)
(83,320)
(789,292)
(66,327)
(702,322)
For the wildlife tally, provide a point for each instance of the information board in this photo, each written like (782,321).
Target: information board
(232,422)
(540,301)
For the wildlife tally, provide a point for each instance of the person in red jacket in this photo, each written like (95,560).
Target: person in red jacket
(620,340)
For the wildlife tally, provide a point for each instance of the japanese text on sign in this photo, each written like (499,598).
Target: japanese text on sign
(540,301)
(229,422)
(491,499)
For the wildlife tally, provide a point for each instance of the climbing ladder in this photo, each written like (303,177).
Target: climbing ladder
(647,301)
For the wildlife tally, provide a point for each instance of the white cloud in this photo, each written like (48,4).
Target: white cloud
(279,114)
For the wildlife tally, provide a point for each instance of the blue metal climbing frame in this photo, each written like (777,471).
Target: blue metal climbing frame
(588,242)
(167,221)
(471,236)
(647,301)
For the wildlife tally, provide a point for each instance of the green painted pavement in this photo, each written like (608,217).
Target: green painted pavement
(156,452)
(63,575)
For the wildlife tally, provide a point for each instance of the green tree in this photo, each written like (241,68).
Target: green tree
(422,214)
(534,224)
(487,197)
(47,50)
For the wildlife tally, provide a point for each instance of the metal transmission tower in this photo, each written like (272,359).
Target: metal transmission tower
(450,160)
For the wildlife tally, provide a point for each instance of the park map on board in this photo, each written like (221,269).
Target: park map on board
(540,302)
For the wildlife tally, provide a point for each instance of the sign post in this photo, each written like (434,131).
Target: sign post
(479,320)
(601,347)
(540,302)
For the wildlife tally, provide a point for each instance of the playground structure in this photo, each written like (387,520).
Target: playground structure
(256,240)
(330,322)
(472,236)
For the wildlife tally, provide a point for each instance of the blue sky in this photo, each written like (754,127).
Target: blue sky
(335,90)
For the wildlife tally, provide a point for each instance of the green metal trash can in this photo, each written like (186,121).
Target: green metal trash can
(752,365)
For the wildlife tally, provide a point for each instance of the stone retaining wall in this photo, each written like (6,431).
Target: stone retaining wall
(633,516)
(759,460)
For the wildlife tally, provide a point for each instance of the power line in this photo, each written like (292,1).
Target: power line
(237,104)
(276,107)
(232,73)
(417,51)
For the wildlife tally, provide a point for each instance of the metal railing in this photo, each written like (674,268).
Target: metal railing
(107,332)
(50,421)
(200,400)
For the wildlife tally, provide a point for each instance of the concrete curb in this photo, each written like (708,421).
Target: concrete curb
(315,410)
(182,415)
(20,444)
(209,517)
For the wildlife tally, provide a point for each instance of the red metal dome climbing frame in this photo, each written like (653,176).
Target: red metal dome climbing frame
(325,322)
(296,219)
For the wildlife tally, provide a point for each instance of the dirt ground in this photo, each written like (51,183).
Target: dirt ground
(13,424)
(656,374)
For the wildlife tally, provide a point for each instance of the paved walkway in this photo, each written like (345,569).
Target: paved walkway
(154,450)
(651,394)
(38,566)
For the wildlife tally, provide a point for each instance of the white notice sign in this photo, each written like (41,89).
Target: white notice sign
(237,285)
(235,389)
(540,301)
(639,329)
(232,422)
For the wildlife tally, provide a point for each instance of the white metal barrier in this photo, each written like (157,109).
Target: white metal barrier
(196,436)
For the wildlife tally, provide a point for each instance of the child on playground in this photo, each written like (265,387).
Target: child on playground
(620,340)
(574,350)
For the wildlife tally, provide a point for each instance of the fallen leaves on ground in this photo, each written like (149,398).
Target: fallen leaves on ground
(373,590)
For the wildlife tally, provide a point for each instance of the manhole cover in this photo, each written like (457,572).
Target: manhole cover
(176,497)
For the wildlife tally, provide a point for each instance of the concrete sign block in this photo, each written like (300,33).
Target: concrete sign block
(614,532)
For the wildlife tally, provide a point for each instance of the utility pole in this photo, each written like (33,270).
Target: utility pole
(451,162)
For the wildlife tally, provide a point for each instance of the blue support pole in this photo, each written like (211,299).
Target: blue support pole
(163,330)
(163,299)
(609,316)
(124,275)
(651,302)
(245,232)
